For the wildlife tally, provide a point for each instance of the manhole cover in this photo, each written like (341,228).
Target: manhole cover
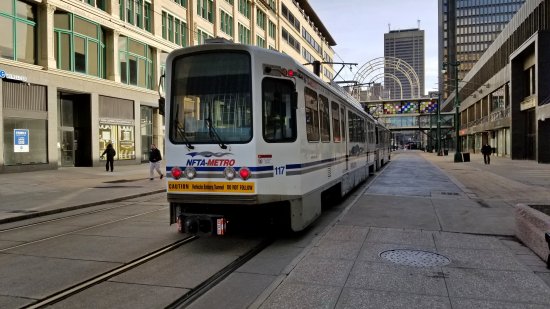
(416,258)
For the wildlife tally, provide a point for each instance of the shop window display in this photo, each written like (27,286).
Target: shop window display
(121,136)
(37,141)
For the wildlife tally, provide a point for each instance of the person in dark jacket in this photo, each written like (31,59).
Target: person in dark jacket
(110,152)
(486,151)
(154,161)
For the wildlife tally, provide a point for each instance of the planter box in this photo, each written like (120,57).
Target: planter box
(532,221)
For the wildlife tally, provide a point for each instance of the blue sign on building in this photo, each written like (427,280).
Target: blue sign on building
(20,140)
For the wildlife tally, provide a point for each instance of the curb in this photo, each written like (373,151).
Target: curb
(76,207)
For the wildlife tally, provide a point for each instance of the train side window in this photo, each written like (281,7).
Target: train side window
(362,130)
(325,119)
(335,111)
(278,111)
(352,125)
(343,122)
(312,115)
(357,130)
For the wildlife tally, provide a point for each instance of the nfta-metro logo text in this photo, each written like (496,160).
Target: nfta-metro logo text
(210,162)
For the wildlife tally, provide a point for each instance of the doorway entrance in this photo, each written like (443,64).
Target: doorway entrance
(74,129)
(66,140)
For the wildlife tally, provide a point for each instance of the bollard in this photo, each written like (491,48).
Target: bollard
(547,237)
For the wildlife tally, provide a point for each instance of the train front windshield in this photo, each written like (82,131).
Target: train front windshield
(211,99)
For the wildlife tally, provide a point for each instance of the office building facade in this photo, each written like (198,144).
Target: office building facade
(467,28)
(505,97)
(407,45)
(79,74)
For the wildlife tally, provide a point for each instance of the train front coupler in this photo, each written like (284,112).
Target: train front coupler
(202,224)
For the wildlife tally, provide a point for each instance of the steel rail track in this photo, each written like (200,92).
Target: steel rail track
(189,297)
(79,230)
(58,296)
(60,218)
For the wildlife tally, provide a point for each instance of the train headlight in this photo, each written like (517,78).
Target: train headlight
(244,172)
(190,172)
(176,172)
(229,173)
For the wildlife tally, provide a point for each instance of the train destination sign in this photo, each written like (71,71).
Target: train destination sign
(211,187)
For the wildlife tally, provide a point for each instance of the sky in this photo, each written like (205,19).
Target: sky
(358,27)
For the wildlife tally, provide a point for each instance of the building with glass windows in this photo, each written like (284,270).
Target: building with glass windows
(77,75)
(407,45)
(505,96)
(467,28)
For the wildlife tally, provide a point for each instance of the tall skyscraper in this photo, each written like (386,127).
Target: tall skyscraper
(407,45)
(467,28)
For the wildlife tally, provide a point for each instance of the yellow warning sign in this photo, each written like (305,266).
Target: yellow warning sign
(213,187)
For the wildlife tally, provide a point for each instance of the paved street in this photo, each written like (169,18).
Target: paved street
(425,232)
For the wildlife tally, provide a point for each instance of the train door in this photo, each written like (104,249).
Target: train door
(345,136)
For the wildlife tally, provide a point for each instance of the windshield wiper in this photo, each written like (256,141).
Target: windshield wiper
(214,134)
(180,130)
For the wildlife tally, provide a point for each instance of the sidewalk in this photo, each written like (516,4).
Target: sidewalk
(454,222)
(426,233)
(30,194)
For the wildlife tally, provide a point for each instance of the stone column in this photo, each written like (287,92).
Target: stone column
(113,8)
(53,139)
(112,62)
(46,55)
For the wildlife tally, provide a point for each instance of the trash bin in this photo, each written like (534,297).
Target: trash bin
(465,157)
(446,152)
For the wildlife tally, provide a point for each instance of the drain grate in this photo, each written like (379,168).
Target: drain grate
(416,258)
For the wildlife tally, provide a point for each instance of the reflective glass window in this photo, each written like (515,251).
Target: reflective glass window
(324,118)
(136,64)
(312,115)
(17,21)
(211,99)
(278,111)
(38,141)
(79,45)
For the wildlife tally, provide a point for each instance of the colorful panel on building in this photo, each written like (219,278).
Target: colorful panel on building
(409,108)
(427,107)
(392,108)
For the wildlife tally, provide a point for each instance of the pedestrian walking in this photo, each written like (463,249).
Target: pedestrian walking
(154,161)
(486,151)
(110,152)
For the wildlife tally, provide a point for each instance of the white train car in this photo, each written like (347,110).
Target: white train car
(249,130)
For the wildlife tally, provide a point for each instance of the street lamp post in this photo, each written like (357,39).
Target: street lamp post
(458,154)
(438,130)
(430,140)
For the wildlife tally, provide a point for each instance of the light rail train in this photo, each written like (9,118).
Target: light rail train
(251,131)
